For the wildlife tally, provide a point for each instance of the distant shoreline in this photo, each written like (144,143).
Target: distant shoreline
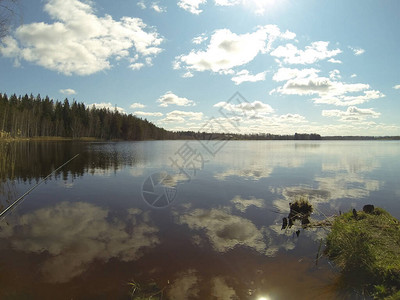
(220,136)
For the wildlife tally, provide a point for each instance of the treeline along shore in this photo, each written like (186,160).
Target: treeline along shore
(29,116)
(24,117)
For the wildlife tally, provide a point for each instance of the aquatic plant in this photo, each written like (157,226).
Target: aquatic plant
(148,291)
(300,210)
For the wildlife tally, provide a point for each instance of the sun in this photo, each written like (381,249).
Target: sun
(260,6)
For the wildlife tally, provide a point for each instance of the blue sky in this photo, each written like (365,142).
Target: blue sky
(330,67)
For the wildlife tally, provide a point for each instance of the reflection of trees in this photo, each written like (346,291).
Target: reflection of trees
(31,161)
(307,145)
(7,160)
(28,161)
(8,193)
(7,170)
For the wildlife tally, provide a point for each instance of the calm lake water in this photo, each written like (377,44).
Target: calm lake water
(196,220)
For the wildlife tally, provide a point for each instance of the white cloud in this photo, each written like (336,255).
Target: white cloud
(315,52)
(357,51)
(191,6)
(158,8)
(137,105)
(293,118)
(136,66)
(178,116)
(199,39)
(367,128)
(149,61)
(334,61)
(284,74)
(285,125)
(397,87)
(240,120)
(259,7)
(334,75)
(141,4)
(80,42)
(148,114)
(188,74)
(252,107)
(153,5)
(241,114)
(351,114)
(329,90)
(353,75)
(245,76)
(9,48)
(227,50)
(107,105)
(227,2)
(307,86)
(170,98)
(68,91)
(338,91)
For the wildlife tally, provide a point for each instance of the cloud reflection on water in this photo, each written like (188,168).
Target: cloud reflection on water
(242,204)
(254,173)
(352,186)
(76,234)
(224,230)
(185,285)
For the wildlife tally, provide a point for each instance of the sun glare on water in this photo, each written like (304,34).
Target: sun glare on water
(264,298)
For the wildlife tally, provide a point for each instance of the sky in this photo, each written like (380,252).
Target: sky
(240,66)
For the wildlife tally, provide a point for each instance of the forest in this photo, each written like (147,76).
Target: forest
(30,116)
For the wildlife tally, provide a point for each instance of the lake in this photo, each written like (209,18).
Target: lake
(188,219)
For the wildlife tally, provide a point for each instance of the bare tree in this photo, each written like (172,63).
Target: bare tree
(7,13)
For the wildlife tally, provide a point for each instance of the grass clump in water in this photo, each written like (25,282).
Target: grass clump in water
(366,246)
(149,291)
